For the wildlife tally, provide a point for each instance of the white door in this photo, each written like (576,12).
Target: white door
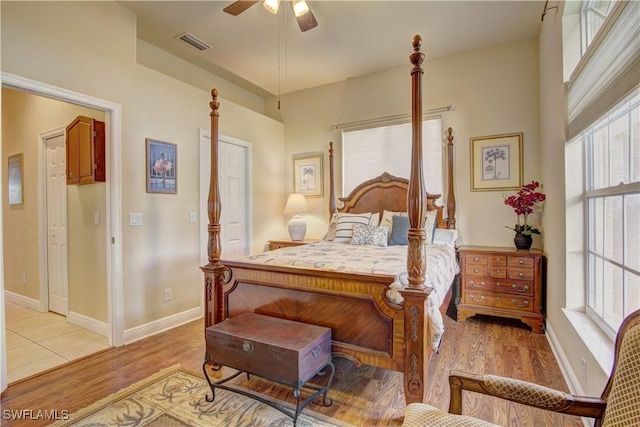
(233,158)
(57,224)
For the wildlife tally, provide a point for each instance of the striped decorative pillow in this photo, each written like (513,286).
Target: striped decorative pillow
(344,229)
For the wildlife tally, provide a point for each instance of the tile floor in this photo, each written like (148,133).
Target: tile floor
(38,341)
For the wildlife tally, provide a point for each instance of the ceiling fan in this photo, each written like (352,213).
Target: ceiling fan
(301,10)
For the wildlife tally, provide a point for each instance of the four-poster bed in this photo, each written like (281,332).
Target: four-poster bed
(368,328)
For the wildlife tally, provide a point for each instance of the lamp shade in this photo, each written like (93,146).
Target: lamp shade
(296,205)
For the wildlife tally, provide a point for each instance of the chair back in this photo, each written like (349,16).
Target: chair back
(622,391)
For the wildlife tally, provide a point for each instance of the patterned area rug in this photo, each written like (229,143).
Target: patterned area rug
(174,397)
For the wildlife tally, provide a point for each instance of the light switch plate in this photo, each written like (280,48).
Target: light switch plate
(192,218)
(135,219)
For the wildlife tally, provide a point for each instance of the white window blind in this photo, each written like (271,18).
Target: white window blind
(368,153)
(609,70)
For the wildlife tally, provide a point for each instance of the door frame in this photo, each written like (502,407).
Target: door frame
(43,215)
(113,130)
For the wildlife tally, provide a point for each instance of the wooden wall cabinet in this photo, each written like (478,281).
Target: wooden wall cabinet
(85,147)
(502,282)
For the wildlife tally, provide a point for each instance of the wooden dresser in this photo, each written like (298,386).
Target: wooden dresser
(287,243)
(503,282)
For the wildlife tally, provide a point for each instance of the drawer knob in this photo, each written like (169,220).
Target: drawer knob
(476,285)
(524,303)
(520,274)
(521,261)
(523,289)
(498,271)
(477,300)
(247,346)
(475,270)
(475,258)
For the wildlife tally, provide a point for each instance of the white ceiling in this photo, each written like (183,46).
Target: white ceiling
(353,38)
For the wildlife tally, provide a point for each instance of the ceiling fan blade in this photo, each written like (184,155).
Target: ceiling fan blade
(306,21)
(236,8)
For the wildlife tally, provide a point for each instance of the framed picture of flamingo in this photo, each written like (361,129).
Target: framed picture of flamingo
(496,162)
(307,174)
(162,167)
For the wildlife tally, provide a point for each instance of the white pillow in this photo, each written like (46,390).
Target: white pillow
(430,226)
(369,235)
(375,219)
(344,228)
(443,236)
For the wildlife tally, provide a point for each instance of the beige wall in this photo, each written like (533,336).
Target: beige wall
(24,118)
(493,91)
(97,57)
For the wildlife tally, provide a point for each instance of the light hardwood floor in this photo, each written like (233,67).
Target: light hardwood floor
(364,396)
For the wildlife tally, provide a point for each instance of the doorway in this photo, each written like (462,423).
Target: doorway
(114,326)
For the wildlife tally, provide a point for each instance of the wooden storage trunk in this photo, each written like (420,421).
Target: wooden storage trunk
(278,349)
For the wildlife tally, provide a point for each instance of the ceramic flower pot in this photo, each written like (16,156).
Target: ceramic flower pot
(523,241)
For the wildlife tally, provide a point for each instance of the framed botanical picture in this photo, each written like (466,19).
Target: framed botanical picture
(162,167)
(307,174)
(16,176)
(496,162)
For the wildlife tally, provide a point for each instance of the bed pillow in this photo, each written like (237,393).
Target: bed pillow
(430,226)
(344,227)
(369,235)
(387,219)
(443,236)
(399,230)
(331,231)
(375,219)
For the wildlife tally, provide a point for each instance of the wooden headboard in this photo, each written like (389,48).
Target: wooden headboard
(385,192)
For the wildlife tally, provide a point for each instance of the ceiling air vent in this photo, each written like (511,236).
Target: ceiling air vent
(193,41)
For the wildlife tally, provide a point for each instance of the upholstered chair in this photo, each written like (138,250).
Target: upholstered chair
(618,406)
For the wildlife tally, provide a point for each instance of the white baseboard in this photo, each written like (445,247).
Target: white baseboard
(85,322)
(22,300)
(567,372)
(161,325)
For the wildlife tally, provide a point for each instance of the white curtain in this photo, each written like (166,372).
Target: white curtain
(368,153)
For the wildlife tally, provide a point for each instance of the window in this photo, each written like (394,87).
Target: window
(594,14)
(612,199)
(603,118)
(368,153)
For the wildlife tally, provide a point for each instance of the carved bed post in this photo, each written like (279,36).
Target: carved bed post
(333,207)
(451,198)
(214,269)
(416,323)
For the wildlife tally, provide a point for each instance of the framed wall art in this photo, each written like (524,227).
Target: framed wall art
(496,162)
(307,174)
(162,167)
(16,177)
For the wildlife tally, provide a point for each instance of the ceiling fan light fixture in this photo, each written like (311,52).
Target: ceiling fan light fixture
(300,7)
(272,5)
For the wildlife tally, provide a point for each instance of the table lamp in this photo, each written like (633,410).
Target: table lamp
(296,206)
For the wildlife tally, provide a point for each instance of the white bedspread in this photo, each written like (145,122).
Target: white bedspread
(391,260)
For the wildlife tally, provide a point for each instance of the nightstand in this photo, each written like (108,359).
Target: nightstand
(503,282)
(287,243)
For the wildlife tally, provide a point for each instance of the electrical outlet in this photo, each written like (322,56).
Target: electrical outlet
(167,294)
(24,278)
(584,369)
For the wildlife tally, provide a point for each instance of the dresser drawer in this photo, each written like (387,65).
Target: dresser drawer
(504,301)
(498,261)
(477,259)
(476,270)
(499,286)
(521,273)
(498,272)
(521,261)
